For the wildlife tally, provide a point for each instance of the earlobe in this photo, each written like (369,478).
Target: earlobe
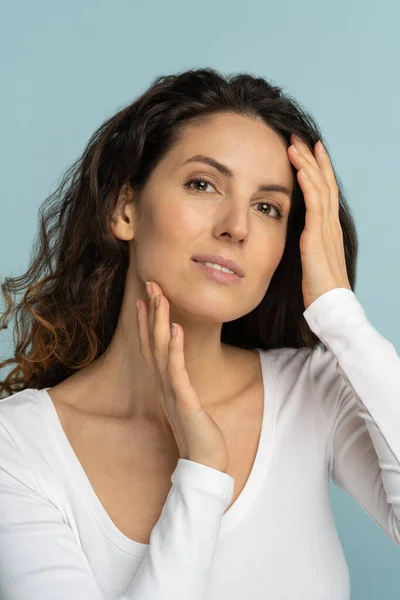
(122,225)
(122,221)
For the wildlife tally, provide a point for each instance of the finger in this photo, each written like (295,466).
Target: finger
(151,323)
(144,334)
(185,396)
(160,327)
(170,366)
(325,165)
(320,159)
(315,206)
(162,333)
(163,344)
(170,358)
(314,173)
(303,148)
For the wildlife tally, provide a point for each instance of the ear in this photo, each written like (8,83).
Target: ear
(123,218)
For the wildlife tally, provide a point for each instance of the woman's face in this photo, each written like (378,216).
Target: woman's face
(226,215)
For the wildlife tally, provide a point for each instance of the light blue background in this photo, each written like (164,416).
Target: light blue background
(67,66)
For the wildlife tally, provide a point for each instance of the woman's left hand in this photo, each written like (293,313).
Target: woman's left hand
(321,242)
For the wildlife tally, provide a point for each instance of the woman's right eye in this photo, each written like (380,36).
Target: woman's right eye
(198,180)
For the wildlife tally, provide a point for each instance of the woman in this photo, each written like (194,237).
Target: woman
(267,390)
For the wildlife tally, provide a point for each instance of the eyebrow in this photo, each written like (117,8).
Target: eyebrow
(267,187)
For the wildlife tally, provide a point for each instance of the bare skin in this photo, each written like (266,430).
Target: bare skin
(138,460)
(110,414)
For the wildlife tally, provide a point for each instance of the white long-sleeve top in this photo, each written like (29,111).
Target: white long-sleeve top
(333,413)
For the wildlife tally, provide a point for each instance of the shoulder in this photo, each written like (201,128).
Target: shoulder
(20,426)
(20,409)
(23,425)
(310,377)
(315,363)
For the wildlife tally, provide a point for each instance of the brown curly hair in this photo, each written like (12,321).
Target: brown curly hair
(74,285)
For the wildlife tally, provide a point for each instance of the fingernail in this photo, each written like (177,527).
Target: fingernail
(322,147)
(149,289)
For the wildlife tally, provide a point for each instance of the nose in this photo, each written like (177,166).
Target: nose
(234,222)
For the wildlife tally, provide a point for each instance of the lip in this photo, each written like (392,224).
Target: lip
(218,275)
(219,259)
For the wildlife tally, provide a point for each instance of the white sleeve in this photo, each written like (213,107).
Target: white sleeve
(365,440)
(38,552)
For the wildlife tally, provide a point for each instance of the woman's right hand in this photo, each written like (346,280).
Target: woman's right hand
(197,435)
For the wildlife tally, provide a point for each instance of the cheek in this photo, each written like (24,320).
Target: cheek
(176,226)
(272,256)
(165,235)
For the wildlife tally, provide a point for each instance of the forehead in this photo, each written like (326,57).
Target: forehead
(240,130)
(248,146)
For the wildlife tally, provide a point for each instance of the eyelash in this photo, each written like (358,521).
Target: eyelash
(203,179)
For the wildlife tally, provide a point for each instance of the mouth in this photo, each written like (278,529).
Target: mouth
(221,261)
(217,274)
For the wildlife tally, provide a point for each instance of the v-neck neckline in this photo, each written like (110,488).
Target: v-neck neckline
(230,518)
